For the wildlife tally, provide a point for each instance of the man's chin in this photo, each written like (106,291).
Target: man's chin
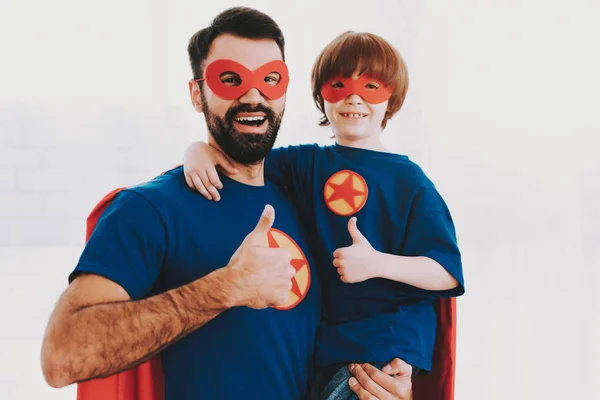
(248,159)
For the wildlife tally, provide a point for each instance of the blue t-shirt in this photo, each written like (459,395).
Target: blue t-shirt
(400,212)
(161,235)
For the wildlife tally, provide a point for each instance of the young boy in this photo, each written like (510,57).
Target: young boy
(386,240)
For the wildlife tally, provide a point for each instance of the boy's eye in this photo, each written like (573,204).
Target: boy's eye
(337,85)
(273,78)
(372,86)
(230,79)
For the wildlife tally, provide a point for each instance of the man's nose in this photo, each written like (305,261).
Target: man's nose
(252,96)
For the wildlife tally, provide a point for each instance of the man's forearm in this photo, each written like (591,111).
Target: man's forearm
(103,339)
(421,272)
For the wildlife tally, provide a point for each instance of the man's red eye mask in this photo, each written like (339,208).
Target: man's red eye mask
(249,79)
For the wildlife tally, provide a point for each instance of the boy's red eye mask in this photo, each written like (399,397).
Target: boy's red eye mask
(246,79)
(355,86)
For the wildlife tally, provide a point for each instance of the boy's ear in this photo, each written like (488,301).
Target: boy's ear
(386,118)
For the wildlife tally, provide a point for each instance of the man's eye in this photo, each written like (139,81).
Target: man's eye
(337,85)
(230,79)
(273,78)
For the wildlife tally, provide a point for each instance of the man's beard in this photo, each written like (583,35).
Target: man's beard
(245,148)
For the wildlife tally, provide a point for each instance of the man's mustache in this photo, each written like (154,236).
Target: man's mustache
(247,108)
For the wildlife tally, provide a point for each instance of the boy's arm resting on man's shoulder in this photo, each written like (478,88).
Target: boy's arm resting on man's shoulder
(96,330)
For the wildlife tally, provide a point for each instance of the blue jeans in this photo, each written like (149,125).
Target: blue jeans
(337,388)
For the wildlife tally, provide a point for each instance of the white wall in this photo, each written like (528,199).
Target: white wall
(501,113)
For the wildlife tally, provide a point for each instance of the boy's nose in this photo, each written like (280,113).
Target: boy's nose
(354,99)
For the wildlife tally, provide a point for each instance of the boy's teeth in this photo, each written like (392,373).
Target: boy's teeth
(353,115)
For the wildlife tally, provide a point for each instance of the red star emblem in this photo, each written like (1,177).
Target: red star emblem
(301,280)
(345,192)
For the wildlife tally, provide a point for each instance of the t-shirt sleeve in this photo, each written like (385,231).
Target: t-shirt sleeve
(127,245)
(431,233)
(290,166)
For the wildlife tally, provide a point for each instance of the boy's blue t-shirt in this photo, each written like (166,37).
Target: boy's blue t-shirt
(160,235)
(400,212)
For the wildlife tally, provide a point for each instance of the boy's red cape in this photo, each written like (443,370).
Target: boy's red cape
(146,381)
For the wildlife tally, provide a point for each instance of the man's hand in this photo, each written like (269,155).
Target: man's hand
(263,275)
(394,383)
(199,163)
(357,262)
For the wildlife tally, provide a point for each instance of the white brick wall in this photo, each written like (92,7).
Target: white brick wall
(55,165)
(7,179)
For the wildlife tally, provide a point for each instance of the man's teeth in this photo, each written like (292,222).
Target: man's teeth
(249,119)
(354,115)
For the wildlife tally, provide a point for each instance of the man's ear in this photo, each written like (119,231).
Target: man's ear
(195,95)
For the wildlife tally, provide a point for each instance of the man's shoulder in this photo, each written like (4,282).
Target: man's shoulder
(154,192)
(161,186)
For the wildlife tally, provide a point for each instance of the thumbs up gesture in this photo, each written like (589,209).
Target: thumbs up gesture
(262,276)
(357,262)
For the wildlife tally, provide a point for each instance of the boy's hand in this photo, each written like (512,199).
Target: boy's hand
(199,163)
(358,262)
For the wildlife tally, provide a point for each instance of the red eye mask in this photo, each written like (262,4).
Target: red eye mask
(249,79)
(355,86)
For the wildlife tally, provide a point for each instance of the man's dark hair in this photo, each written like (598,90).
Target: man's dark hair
(239,21)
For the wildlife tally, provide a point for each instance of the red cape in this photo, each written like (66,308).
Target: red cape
(146,381)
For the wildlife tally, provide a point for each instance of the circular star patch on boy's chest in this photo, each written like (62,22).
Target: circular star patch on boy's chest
(301,280)
(345,192)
